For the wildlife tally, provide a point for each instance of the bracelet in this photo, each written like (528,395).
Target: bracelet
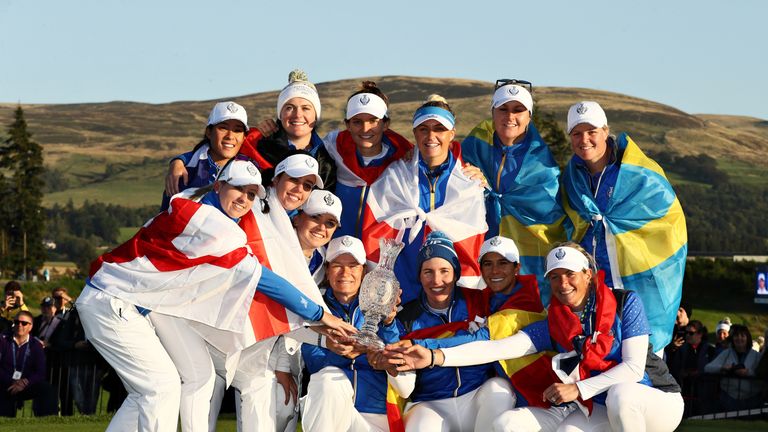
(432,363)
(320,339)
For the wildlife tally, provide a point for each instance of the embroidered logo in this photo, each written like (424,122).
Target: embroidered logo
(513,90)
(495,241)
(581,109)
(328,198)
(560,253)
(252,170)
(346,241)
(364,99)
(310,162)
(427,252)
(231,107)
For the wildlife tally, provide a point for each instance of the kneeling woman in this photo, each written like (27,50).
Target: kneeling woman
(188,264)
(618,383)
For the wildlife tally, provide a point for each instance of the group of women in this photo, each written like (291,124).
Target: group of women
(221,287)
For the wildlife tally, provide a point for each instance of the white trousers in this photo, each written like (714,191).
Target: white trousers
(129,344)
(473,411)
(629,407)
(330,406)
(190,355)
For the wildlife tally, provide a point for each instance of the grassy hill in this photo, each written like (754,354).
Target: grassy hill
(117,152)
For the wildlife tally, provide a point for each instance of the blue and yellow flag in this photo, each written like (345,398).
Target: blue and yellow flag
(523,202)
(644,233)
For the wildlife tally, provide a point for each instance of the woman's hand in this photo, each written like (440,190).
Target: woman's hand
(267,127)
(407,358)
(285,379)
(337,327)
(560,393)
(391,317)
(176,170)
(474,173)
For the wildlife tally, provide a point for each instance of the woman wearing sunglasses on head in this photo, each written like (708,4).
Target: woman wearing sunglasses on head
(522,200)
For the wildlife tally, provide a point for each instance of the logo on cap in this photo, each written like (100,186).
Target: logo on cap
(513,90)
(310,162)
(427,252)
(252,170)
(328,199)
(231,107)
(495,241)
(364,99)
(346,241)
(560,254)
(582,109)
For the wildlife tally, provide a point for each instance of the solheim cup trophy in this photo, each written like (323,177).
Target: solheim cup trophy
(378,293)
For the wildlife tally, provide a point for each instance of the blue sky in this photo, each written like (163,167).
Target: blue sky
(699,56)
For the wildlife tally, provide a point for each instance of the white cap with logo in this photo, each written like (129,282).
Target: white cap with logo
(503,246)
(345,244)
(322,202)
(224,111)
(512,92)
(567,258)
(586,112)
(242,173)
(300,165)
(366,103)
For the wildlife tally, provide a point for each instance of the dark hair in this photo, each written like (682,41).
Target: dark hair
(688,309)
(27,314)
(435,100)
(698,327)
(740,329)
(12,286)
(371,87)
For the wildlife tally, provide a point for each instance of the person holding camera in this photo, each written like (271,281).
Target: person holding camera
(13,304)
(734,364)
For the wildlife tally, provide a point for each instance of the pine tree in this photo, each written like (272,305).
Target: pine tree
(553,135)
(22,161)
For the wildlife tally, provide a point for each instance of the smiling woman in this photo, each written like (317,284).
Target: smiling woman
(315,224)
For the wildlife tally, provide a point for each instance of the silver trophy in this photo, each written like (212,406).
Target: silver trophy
(378,293)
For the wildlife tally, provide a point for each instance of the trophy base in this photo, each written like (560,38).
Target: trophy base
(369,340)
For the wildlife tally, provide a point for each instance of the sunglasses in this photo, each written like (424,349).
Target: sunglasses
(22,323)
(522,83)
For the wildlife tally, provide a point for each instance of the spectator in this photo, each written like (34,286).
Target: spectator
(684,313)
(22,370)
(689,361)
(13,304)
(722,331)
(62,299)
(47,322)
(735,363)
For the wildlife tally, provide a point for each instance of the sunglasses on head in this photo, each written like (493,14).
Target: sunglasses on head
(522,83)
(22,323)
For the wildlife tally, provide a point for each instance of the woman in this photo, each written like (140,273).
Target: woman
(625,213)
(522,201)
(362,152)
(465,398)
(427,193)
(609,377)
(317,221)
(187,267)
(345,393)
(736,362)
(222,140)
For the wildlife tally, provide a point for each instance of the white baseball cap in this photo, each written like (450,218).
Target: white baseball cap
(322,202)
(300,165)
(242,173)
(366,103)
(503,246)
(224,111)
(586,112)
(567,258)
(723,326)
(346,244)
(512,92)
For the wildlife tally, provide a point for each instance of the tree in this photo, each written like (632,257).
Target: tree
(553,135)
(21,159)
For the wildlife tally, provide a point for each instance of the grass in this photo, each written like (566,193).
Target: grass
(126,233)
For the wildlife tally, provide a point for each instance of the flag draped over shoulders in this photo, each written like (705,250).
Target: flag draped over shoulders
(393,206)
(643,227)
(524,206)
(530,375)
(343,150)
(190,261)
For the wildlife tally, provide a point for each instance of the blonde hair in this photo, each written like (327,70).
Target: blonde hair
(574,245)
(435,100)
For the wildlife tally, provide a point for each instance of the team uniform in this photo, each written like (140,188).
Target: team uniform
(201,171)
(345,394)
(522,201)
(411,198)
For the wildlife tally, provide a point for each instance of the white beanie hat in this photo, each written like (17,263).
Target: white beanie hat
(299,86)
(512,92)
(586,112)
